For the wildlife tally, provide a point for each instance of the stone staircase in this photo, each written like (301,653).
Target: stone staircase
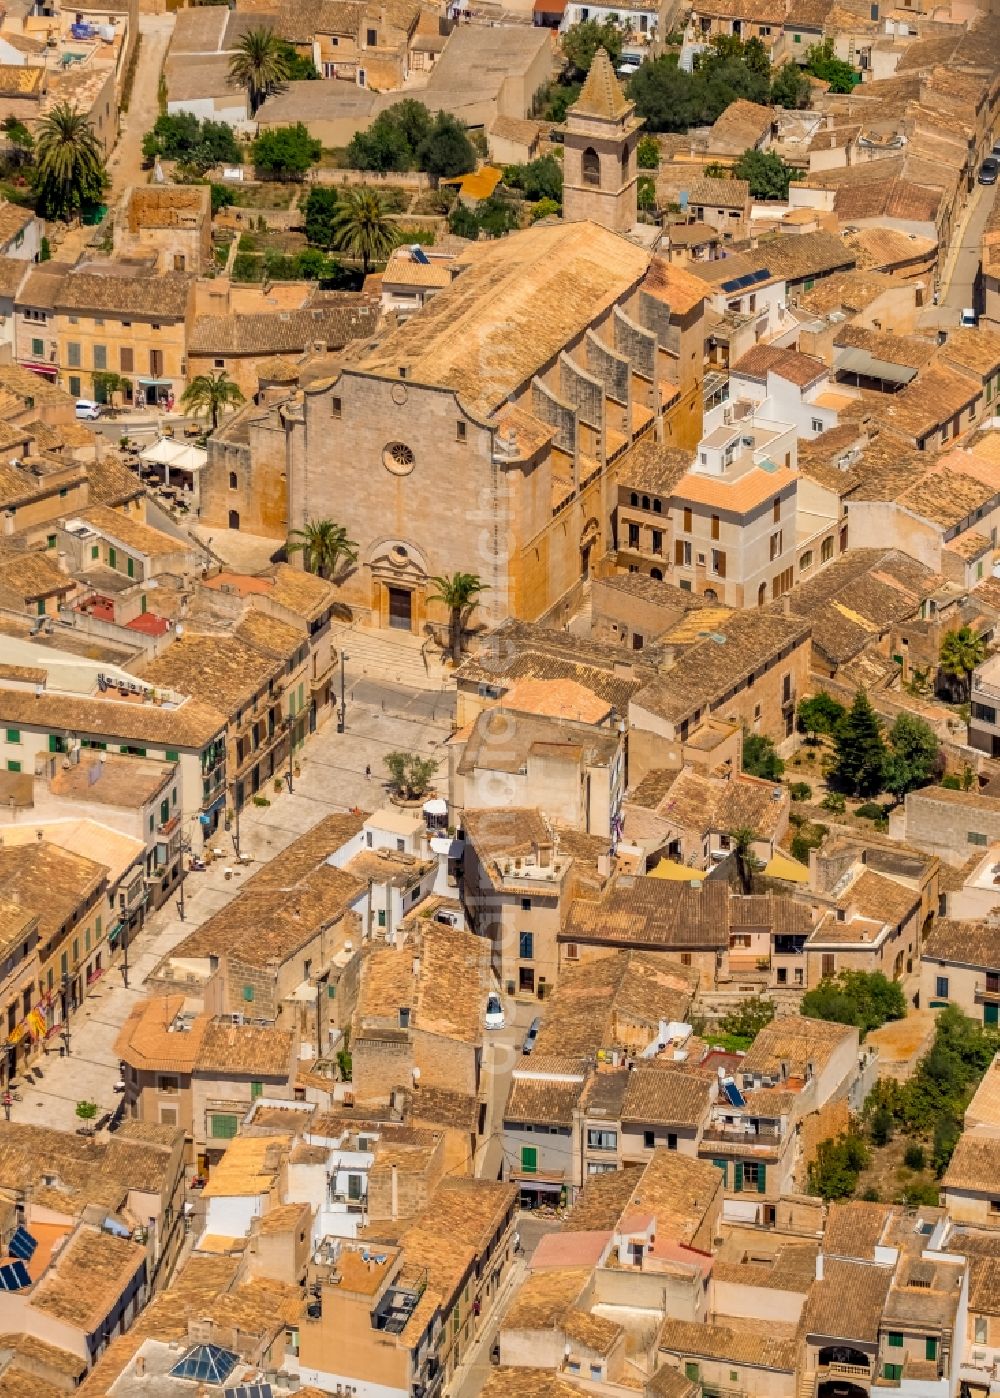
(395,657)
(805,1381)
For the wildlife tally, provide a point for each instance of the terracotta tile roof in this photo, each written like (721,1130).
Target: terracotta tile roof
(444,995)
(666,1097)
(133,534)
(710,669)
(721,194)
(583,1015)
(543,1099)
(799,369)
(51,882)
(159,296)
(881,898)
(652,914)
(223,670)
(595,1333)
(13,270)
(848,1303)
(542,1301)
(602,1200)
(669,1382)
(517,304)
(913,351)
(505,831)
(679,287)
(649,465)
(743,123)
(882,249)
(245,1050)
(556,698)
(984,1286)
(527,1383)
(517,649)
(192,724)
(772,1346)
(975,1164)
(976,348)
(854,1229)
(270,636)
(110,482)
(286,332)
(859,597)
(965,943)
(796,1042)
(32,576)
(150,1039)
(90,1275)
(680,1191)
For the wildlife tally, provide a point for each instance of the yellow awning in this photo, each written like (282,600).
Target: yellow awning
(670,869)
(781,866)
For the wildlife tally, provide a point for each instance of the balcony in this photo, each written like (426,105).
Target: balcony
(838,1370)
(987,994)
(768,1137)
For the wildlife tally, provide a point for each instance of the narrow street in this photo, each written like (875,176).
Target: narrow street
(962,263)
(125,164)
(380,718)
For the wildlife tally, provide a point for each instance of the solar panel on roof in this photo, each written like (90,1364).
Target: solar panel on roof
(14,1276)
(731,285)
(23,1244)
(762,275)
(249,1390)
(733,1095)
(420,256)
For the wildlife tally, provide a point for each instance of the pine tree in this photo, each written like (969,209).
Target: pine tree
(861,751)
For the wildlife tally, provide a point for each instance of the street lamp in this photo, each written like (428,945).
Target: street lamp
(342,711)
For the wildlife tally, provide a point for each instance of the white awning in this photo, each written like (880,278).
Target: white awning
(436,806)
(179,456)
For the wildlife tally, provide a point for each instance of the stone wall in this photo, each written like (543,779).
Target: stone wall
(637,345)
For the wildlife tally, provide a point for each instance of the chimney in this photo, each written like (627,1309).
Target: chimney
(786,604)
(604,866)
(416,967)
(140,1366)
(394,1205)
(819,1266)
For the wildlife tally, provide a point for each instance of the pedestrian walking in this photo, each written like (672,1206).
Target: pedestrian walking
(368,772)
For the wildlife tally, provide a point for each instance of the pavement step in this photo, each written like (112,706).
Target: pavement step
(398,659)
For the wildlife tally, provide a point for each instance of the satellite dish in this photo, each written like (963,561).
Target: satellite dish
(180,629)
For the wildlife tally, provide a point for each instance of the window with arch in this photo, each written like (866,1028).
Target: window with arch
(591,166)
(761,595)
(645,502)
(657,507)
(633,499)
(233,481)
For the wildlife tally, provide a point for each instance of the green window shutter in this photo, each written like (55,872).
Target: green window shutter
(930,1347)
(130,567)
(248,993)
(331,992)
(95,550)
(256,1090)
(224,1126)
(143,604)
(64,963)
(761,1178)
(991,1015)
(98,926)
(41,606)
(895,1339)
(171,755)
(892,1371)
(112,558)
(738,1175)
(13,735)
(691,1371)
(164,812)
(723,1165)
(13,766)
(55,743)
(529,1159)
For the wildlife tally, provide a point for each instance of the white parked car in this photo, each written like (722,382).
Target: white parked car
(87,409)
(494,1011)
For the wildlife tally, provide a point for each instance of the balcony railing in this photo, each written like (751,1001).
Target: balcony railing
(987,995)
(764,1136)
(846,1371)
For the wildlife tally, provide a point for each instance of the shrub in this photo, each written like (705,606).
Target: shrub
(760,758)
(914,1157)
(833,801)
(865,999)
(950,782)
(921,1193)
(834,1173)
(871,810)
(880,1127)
(800,791)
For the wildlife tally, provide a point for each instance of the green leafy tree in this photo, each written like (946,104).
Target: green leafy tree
(665,96)
(286,152)
(861,752)
(363,229)
(745,1022)
(459,593)
(86,1110)
(766,173)
(463,223)
(581,42)
(259,66)
(881,1126)
(823,63)
(298,69)
(194,144)
(646,193)
(222,197)
(789,88)
(19,140)
(545,208)
(323,545)
(410,774)
(648,153)
(741,843)
(69,163)
(835,1171)
(961,652)
(912,757)
(760,759)
(382,148)
(446,150)
(497,215)
(540,179)
(321,208)
(864,999)
(819,714)
(559,97)
(208,395)
(45,251)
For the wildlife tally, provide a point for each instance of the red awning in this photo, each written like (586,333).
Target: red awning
(47,369)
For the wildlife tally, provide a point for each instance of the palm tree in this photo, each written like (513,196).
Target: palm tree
(323,544)
(260,65)
(741,842)
(458,593)
(362,228)
(961,652)
(209,394)
(69,162)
